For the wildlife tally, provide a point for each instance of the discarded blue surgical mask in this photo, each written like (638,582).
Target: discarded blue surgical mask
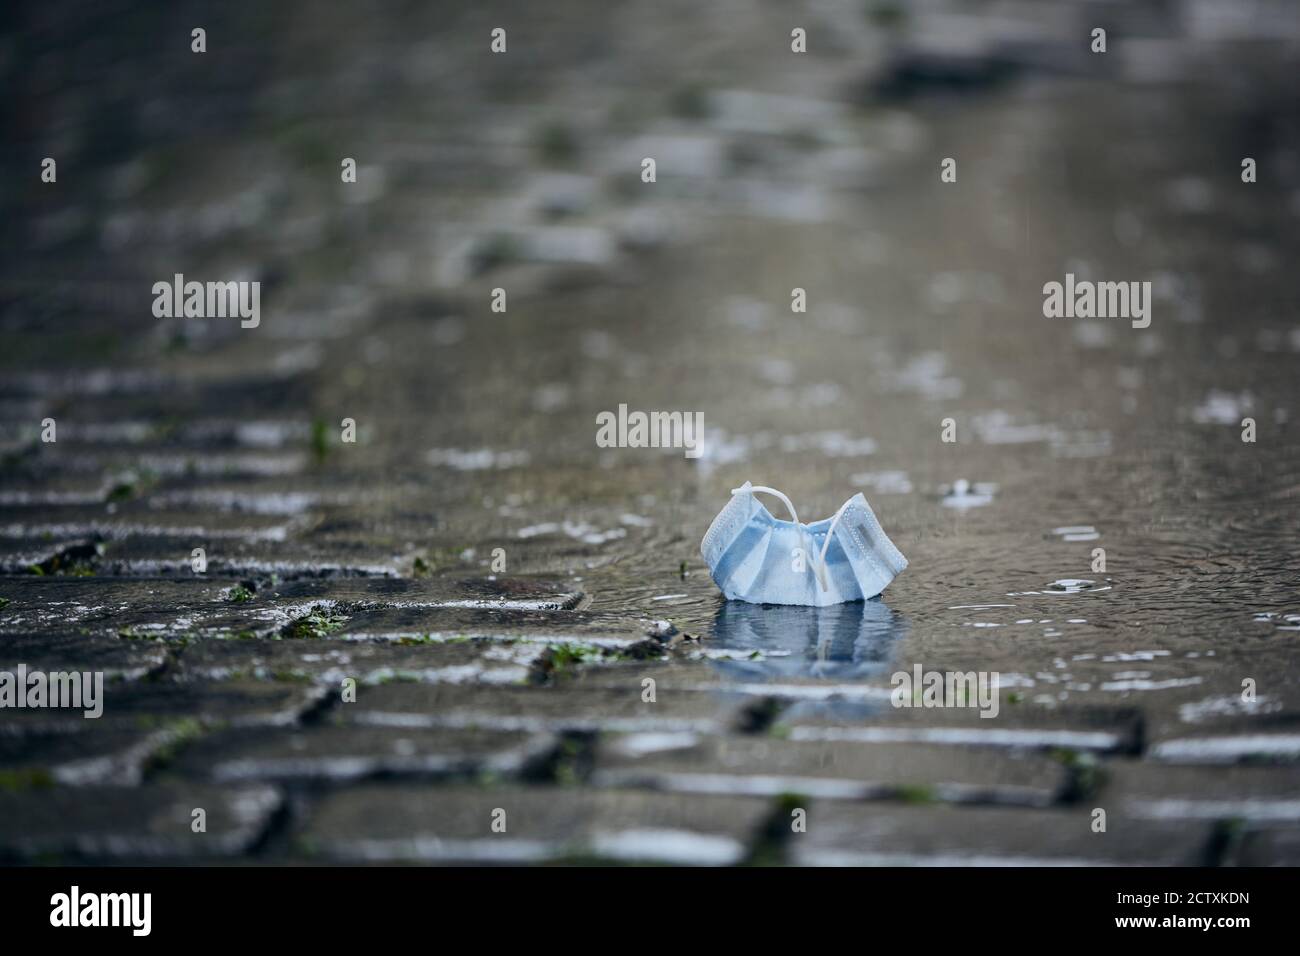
(757,557)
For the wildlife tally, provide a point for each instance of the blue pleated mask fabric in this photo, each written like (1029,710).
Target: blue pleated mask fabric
(757,557)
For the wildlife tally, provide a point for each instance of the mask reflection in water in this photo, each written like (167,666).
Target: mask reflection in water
(844,641)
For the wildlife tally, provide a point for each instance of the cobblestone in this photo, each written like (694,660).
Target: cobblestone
(841,834)
(343,754)
(536,824)
(126,824)
(767,767)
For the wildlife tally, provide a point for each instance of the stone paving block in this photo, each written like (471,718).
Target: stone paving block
(1230,748)
(669,673)
(328,661)
(20,553)
(380,608)
(106,606)
(1014,726)
(454,824)
(149,556)
(805,692)
(339,753)
(235,703)
(874,834)
(442,591)
(159,704)
(1151,790)
(377,608)
(89,755)
(25,490)
(542,708)
(765,766)
(136,519)
(132,824)
(472,620)
(1266,736)
(1215,708)
(114,657)
(468,619)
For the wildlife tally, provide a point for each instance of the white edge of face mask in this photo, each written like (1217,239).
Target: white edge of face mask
(716,524)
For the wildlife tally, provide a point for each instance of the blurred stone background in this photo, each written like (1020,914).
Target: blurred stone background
(522,689)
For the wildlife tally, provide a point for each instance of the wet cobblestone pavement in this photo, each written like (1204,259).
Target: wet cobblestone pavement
(504,593)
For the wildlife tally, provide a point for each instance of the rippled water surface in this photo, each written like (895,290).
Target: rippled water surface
(1097,531)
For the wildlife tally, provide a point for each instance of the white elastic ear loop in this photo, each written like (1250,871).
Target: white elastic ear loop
(821,561)
(819,567)
(771,491)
